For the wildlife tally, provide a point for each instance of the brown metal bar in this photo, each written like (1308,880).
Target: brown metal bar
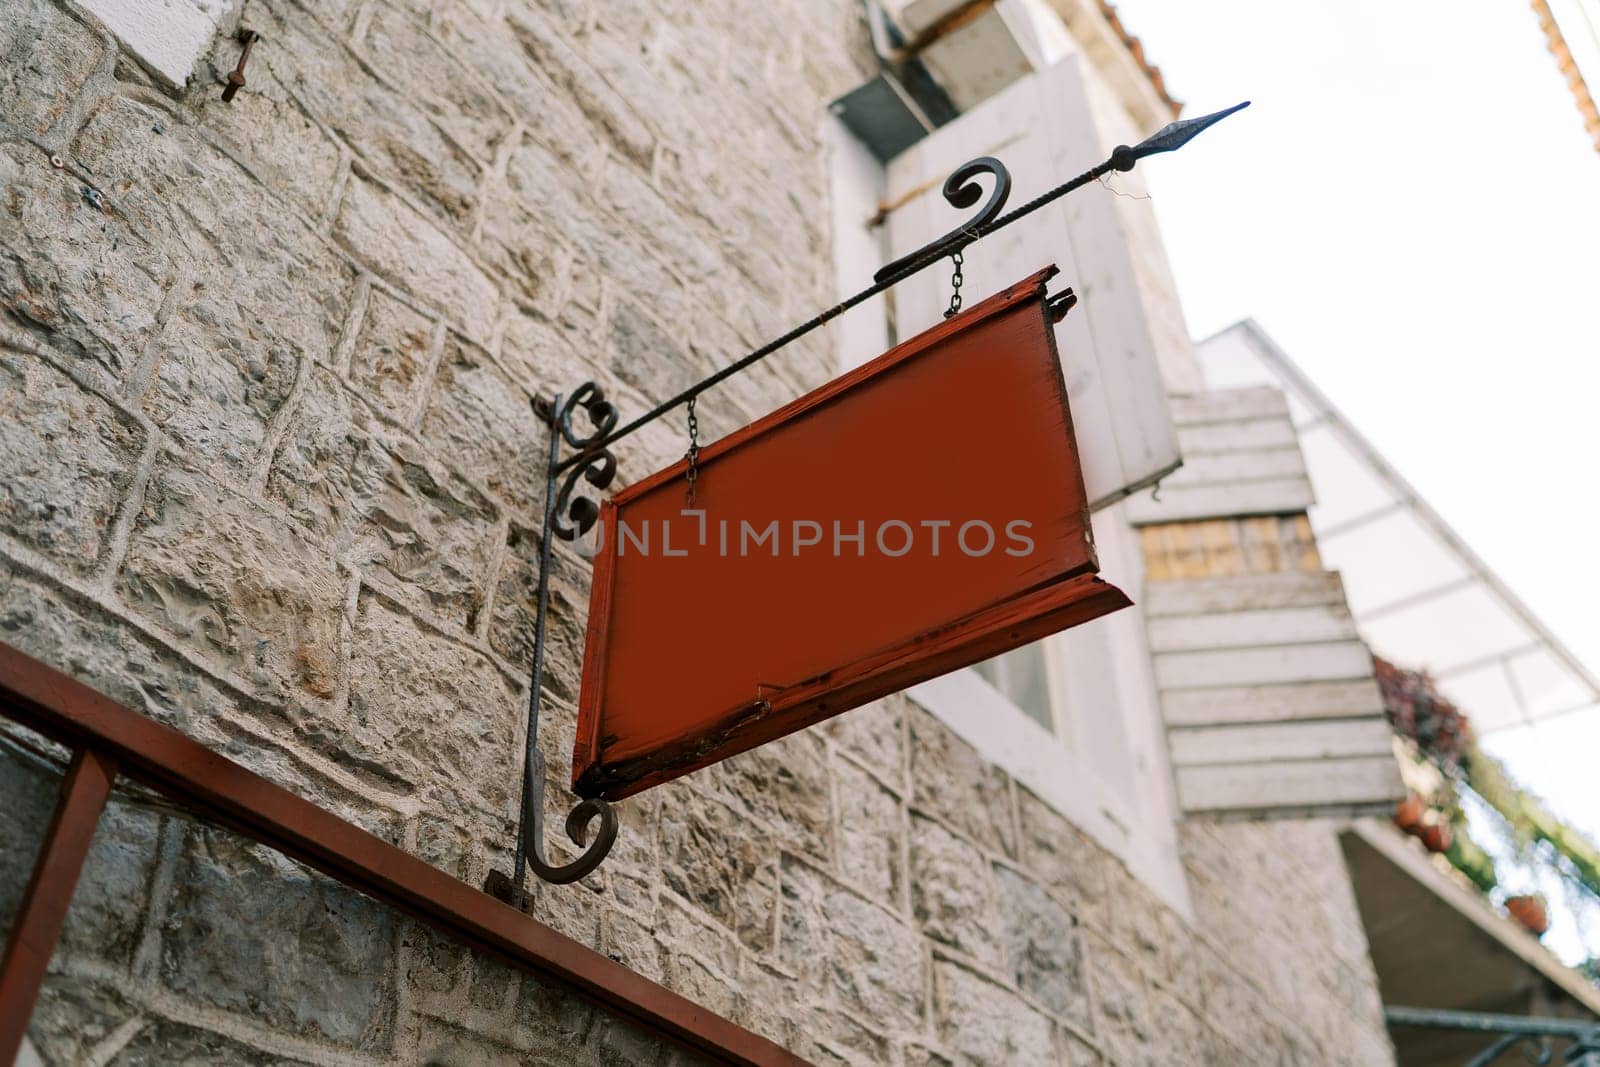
(38,922)
(58,706)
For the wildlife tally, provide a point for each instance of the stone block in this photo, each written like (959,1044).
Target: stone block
(677,928)
(1075,1051)
(613,1040)
(642,354)
(633,944)
(516,598)
(251,931)
(951,781)
(847,951)
(578,915)
(386,505)
(1136,921)
(628,193)
(553,1013)
(230,578)
(391,136)
(442,1045)
(717,860)
(426,712)
(101,651)
(690,976)
(485,427)
(393,356)
(218,380)
(444,843)
(875,735)
(66,460)
(869,833)
(986,1023)
(81,278)
(1042,949)
(923,1056)
(1122,1009)
(263,276)
(399,46)
(431,966)
(1063,859)
(492,986)
(522,243)
(165,1043)
(48,57)
(546,357)
(266,127)
(828,1037)
(408,250)
(766,1002)
(109,901)
(29,792)
(72,1016)
(607,110)
(552,117)
(784,786)
(953,893)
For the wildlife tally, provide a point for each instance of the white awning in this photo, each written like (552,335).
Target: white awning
(1421,598)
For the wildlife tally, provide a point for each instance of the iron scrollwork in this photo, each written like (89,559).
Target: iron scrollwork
(961,190)
(594,462)
(568,517)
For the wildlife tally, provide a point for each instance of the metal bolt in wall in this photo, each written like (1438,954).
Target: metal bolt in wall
(248,38)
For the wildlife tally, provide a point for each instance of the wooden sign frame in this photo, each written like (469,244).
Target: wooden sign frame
(1060,591)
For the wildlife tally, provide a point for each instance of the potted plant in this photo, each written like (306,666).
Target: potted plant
(1530,911)
(1436,836)
(1409,813)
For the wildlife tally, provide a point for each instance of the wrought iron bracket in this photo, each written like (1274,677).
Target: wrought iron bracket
(567,517)
(569,514)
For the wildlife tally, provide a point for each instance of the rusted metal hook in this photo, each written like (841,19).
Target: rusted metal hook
(248,38)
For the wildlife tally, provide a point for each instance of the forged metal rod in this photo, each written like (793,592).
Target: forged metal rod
(961,191)
(530,821)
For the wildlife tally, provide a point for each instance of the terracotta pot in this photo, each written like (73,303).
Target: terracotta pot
(1409,812)
(1529,910)
(1436,836)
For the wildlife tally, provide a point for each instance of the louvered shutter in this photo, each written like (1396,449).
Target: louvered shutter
(1045,130)
(1268,694)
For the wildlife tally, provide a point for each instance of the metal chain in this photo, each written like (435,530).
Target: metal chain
(693,455)
(955,282)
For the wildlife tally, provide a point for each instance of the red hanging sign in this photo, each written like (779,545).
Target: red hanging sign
(921,513)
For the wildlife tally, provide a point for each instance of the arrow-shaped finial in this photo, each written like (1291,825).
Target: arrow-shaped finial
(1169,138)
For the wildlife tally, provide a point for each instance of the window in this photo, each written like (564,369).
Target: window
(1022,677)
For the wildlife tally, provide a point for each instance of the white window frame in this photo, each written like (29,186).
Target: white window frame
(1105,765)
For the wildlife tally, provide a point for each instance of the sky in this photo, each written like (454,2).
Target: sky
(1411,209)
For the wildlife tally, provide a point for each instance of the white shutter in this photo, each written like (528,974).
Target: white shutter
(1270,701)
(1044,129)
(1269,697)
(1241,456)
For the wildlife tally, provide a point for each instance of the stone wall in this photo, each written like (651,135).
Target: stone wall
(269,474)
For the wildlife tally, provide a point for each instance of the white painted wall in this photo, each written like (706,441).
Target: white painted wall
(168,35)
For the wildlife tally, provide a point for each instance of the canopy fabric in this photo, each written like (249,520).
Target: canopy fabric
(1421,598)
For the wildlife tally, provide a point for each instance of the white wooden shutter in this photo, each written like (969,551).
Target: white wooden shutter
(1044,129)
(1269,697)
(1241,456)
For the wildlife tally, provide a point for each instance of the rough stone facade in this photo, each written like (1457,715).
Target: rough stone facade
(269,474)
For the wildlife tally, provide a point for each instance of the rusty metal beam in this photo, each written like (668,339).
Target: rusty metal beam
(37,924)
(213,786)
